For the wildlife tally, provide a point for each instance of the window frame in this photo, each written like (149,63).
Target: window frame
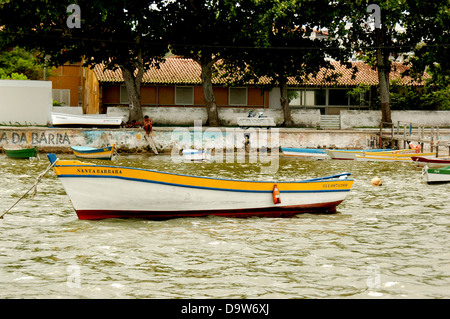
(126,100)
(230,89)
(191,102)
(61,93)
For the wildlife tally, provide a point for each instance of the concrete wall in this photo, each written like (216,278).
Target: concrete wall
(25,102)
(166,139)
(187,115)
(353,119)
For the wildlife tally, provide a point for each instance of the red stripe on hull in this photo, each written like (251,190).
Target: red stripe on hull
(287,211)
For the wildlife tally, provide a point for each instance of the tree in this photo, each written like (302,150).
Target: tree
(395,30)
(430,22)
(282,47)
(205,31)
(17,61)
(121,34)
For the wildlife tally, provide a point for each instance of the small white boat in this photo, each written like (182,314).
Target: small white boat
(196,155)
(348,154)
(431,162)
(94,153)
(437,175)
(103,191)
(85,120)
(392,157)
(305,153)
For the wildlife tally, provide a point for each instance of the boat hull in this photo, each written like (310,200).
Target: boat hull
(305,153)
(393,157)
(98,192)
(350,154)
(437,175)
(431,162)
(93,153)
(23,153)
(72,120)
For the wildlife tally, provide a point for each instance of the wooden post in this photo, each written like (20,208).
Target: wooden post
(432,140)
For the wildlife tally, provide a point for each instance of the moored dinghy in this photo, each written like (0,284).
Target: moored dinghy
(437,175)
(94,153)
(196,155)
(347,154)
(305,153)
(20,152)
(392,157)
(98,192)
(432,162)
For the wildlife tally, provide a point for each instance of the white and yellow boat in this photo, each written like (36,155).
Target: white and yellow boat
(395,156)
(98,191)
(94,153)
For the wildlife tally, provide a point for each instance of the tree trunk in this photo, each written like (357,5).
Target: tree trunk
(133,84)
(384,68)
(284,100)
(208,93)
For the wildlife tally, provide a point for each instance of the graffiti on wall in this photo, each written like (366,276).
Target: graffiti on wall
(34,138)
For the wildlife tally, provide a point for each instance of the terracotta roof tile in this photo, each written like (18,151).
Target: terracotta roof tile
(176,70)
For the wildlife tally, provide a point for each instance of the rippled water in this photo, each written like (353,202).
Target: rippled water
(385,242)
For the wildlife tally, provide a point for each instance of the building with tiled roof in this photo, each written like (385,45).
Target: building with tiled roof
(182,71)
(177,82)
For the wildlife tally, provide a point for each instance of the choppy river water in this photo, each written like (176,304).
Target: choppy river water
(384,242)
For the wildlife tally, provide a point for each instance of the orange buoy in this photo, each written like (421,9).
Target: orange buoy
(376,181)
(276,195)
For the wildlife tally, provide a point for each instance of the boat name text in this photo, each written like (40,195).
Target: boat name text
(99,171)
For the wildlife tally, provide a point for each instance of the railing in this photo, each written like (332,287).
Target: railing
(408,131)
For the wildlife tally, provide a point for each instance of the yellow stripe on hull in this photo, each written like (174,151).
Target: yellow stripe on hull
(79,169)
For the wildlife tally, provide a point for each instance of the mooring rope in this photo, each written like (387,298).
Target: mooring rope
(34,186)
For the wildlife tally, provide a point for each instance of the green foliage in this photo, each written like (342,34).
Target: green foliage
(417,98)
(56,103)
(359,95)
(20,64)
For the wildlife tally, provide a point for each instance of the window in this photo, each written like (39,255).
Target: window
(124,95)
(306,97)
(184,95)
(320,97)
(237,96)
(337,97)
(62,96)
(296,97)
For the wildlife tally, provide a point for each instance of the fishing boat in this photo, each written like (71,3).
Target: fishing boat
(99,191)
(392,157)
(437,175)
(431,162)
(196,155)
(85,120)
(349,154)
(20,152)
(94,153)
(305,153)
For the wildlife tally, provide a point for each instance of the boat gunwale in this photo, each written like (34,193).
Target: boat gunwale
(334,177)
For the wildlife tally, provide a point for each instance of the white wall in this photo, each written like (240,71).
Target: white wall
(228,115)
(354,119)
(25,102)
